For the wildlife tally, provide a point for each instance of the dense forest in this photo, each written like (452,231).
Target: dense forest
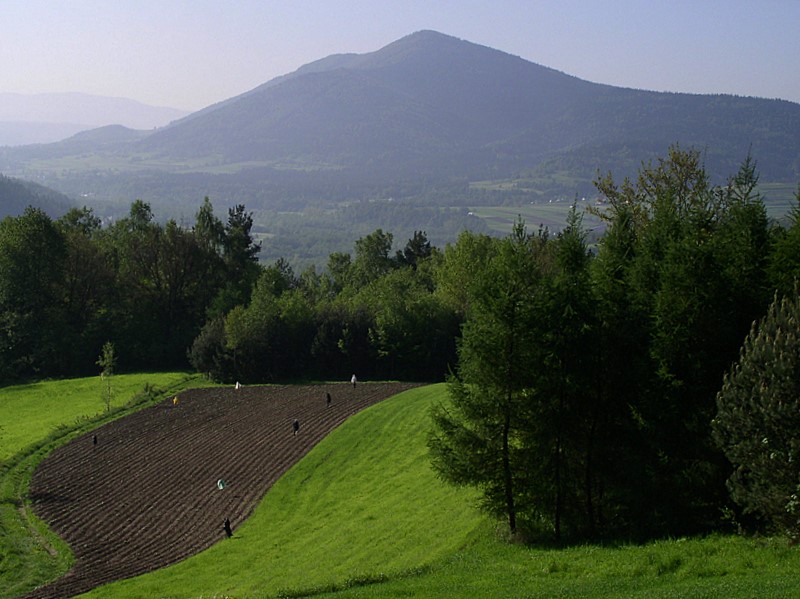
(583,382)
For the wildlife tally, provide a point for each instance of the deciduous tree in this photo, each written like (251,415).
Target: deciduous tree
(32,257)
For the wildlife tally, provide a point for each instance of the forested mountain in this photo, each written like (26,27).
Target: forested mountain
(16,195)
(432,102)
(426,112)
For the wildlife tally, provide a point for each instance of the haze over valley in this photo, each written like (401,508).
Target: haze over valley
(47,118)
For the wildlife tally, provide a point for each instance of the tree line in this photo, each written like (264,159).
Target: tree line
(588,399)
(171,296)
(586,395)
(68,286)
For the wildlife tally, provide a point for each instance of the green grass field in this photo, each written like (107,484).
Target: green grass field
(723,567)
(363,516)
(29,413)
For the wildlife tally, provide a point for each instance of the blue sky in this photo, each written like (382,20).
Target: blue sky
(189,54)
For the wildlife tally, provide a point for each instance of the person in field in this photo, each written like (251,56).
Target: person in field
(353,380)
(328,399)
(226,524)
(296,426)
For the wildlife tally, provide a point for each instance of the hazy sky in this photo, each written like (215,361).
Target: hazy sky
(189,54)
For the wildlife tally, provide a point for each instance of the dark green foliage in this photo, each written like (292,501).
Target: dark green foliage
(683,276)
(240,258)
(585,388)
(784,261)
(525,423)
(412,333)
(758,419)
(341,345)
(372,259)
(684,266)
(475,439)
(209,353)
(578,437)
(417,249)
(271,337)
(32,257)
(68,286)
(165,282)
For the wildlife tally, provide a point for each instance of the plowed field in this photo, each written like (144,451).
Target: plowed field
(146,494)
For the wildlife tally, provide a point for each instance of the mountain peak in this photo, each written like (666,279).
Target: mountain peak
(428,35)
(435,104)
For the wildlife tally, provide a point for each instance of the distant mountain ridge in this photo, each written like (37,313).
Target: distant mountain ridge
(426,114)
(46,118)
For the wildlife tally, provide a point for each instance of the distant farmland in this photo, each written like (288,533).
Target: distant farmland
(778,198)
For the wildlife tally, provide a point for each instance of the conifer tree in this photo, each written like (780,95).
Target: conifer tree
(758,418)
(477,437)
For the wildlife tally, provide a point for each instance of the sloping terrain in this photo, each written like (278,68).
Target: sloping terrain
(16,195)
(428,110)
(146,494)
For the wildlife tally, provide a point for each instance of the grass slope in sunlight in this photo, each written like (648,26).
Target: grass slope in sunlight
(28,413)
(363,516)
(363,505)
(720,566)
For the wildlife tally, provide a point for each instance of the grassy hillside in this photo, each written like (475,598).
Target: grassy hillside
(363,516)
(363,505)
(724,567)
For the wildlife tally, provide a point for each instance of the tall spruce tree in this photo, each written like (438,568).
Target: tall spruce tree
(757,423)
(566,387)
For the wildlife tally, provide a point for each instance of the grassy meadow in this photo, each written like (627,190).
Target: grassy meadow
(364,516)
(29,413)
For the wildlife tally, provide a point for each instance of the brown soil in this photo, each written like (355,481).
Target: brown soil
(146,495)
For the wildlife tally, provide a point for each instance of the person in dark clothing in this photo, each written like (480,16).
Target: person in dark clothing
(296,426)
(226,524)
(328,399)
(94,439)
